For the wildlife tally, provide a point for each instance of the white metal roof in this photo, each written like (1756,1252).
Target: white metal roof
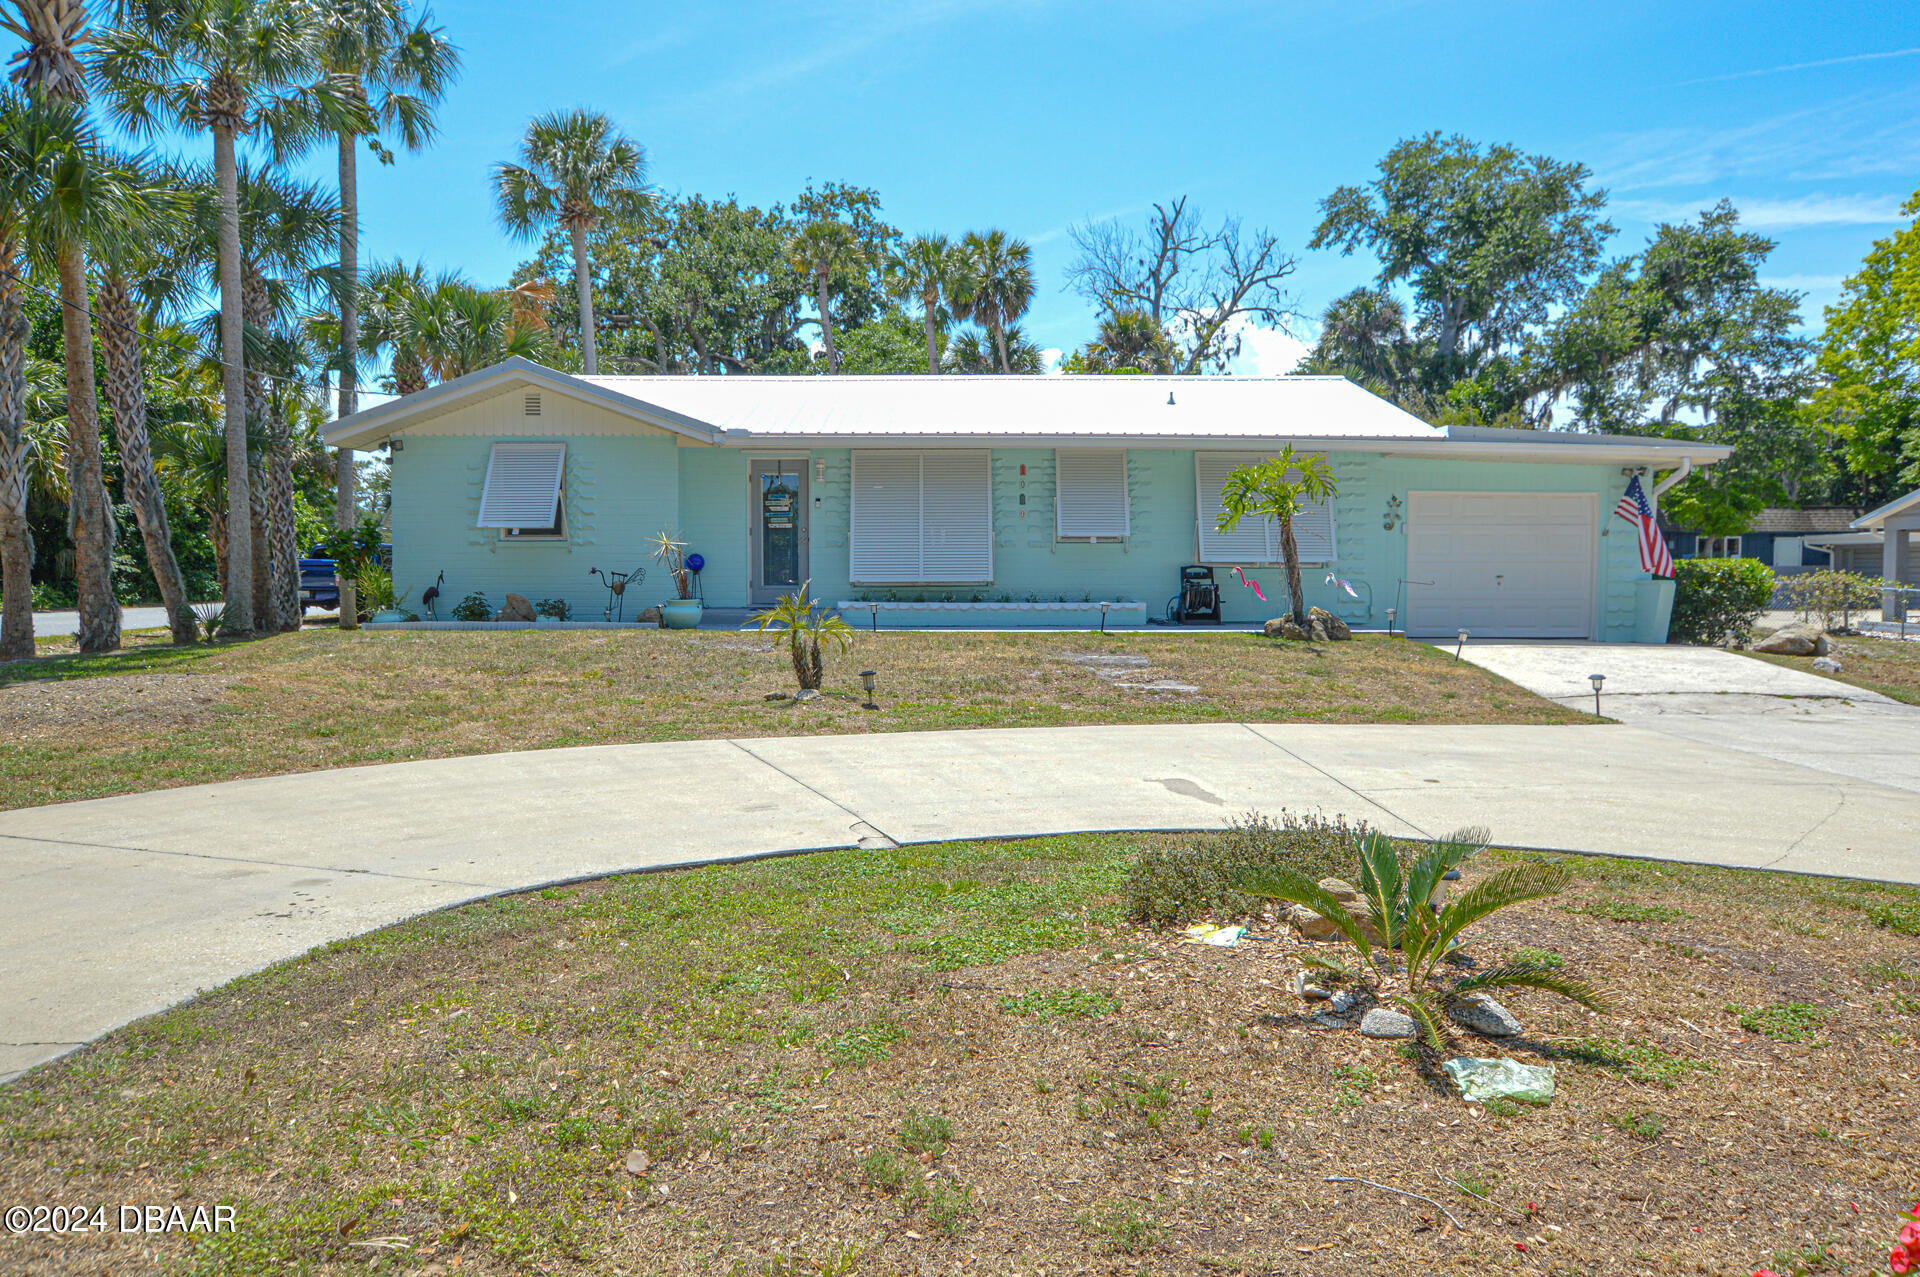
(991,407)
(1875,520)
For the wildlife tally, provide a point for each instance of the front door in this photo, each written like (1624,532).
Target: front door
(777,498)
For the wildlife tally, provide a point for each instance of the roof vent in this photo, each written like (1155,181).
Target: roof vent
(533,405)
(1169,399)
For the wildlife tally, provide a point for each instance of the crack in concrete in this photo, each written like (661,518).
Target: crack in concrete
(1367,799)
(858,819)
(245,860)
(1839,802)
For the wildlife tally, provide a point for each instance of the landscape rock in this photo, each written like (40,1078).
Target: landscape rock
(1328,1020)
(1341,1002)
(1310,924)
(648,616)
(1304,987)
(1481,1080)
(1336,629)
(1340,889)
(1799,639)
(1382,1023)
(1478,1013)
(1826,665)
(1317,631)
(516,608)
(806,694)
(777,696)
(1287,628)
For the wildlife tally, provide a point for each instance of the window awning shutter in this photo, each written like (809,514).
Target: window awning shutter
(921,517)
(1090,492)
(1255,541)
(523,485)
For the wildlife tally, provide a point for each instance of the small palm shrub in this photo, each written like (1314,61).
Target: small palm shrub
(554,609)
(474,607)
(805,625)
(1714,599)
(1415,936)
(1171,886)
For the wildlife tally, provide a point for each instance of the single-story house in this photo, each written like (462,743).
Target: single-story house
(1005,501)
(1784,538)
(1879,544)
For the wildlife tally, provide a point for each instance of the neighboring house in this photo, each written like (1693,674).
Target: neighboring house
(1785,539)
(1879,544)
(1008,490)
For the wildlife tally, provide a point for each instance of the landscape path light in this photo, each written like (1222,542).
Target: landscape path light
(1462,644)
(1596,680)
(868,678)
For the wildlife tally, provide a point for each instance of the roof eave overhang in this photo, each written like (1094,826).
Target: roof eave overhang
(1874,520)
(376,426)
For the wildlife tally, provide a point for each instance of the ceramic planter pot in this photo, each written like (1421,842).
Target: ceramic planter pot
(386,616)
(680,614)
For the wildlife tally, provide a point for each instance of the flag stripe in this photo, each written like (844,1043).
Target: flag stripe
(1637,510)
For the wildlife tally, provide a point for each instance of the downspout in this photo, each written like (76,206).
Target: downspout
(1686,468)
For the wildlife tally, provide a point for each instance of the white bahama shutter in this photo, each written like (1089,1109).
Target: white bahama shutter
(921,517)
(956,516)
(1254,541)
(523,485)
(1090,492)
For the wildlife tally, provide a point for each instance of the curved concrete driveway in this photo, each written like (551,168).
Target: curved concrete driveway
(1703,694)
(120,907)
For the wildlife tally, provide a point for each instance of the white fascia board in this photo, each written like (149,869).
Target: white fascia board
(1872,520)
(378,424)
(1597,453)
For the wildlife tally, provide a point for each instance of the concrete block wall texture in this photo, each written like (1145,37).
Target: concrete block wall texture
(622,488)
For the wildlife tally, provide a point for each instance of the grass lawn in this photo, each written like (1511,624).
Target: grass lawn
(1888,666)
(963,1058)
(154,716)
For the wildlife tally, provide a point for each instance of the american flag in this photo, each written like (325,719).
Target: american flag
(1637,510)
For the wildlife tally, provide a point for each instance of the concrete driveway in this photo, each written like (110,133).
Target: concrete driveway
(1737,702)
(120,907)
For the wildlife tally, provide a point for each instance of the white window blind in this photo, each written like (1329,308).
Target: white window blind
(1090,492)
(1254,541)
(921,517)
(523,485)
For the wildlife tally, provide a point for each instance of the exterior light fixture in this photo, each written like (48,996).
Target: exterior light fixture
(1596,680)
(819,469)
(1391,613)
(1103,616)
(873,615)
(1464,634)
(867,680)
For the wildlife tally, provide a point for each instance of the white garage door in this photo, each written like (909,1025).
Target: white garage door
(1503,565)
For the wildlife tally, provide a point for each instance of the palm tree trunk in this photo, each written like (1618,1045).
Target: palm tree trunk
(1000,343)
(344,474)
(257,311)
(16,541)
(1290,555)
(283,605)
(127,393)
(239,574)
(822,299)
(933,344)
(583,289)
(89,513)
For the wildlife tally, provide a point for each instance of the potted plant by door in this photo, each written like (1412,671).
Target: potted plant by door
(682,613)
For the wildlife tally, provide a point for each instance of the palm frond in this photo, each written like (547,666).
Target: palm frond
(1323,962)
(1380,884)
(1490,895)
(1277,882)
(1528,975)
(1427,1014)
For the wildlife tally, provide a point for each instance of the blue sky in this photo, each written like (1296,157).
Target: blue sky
(1034,116)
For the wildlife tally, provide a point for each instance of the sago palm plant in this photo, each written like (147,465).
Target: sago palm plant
(805,626)
(1413,935)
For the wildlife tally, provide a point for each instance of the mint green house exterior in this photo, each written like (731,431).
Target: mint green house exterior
(1007,502)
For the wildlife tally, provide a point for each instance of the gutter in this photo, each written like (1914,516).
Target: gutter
(1686,468)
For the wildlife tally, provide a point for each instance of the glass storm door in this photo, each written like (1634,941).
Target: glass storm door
(778,496)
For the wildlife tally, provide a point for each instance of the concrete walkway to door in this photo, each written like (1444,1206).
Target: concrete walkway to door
(1737,702)
(119,907)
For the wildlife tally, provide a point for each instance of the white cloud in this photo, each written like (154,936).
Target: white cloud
(1270,352)
(1803,66)
(1776,214)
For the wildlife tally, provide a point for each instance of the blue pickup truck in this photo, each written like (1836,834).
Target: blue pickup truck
(320,584)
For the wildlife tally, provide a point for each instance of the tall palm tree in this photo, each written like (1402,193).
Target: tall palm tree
(225,67)
(819,251)
(54,31)
(998,285)
(925,269)
(18,167)
(575,170)
(400,69)
(137,279)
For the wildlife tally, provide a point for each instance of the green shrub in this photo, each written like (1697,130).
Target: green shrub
(1717,598)
(554,609)
(1830,597)
(474,607)
(1173,886)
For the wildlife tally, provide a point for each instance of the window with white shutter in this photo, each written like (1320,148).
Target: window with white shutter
(522,494)
(1090,493)
(1254,541)
(921,518)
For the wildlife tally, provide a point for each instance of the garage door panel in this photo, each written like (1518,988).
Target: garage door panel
(1503,565)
